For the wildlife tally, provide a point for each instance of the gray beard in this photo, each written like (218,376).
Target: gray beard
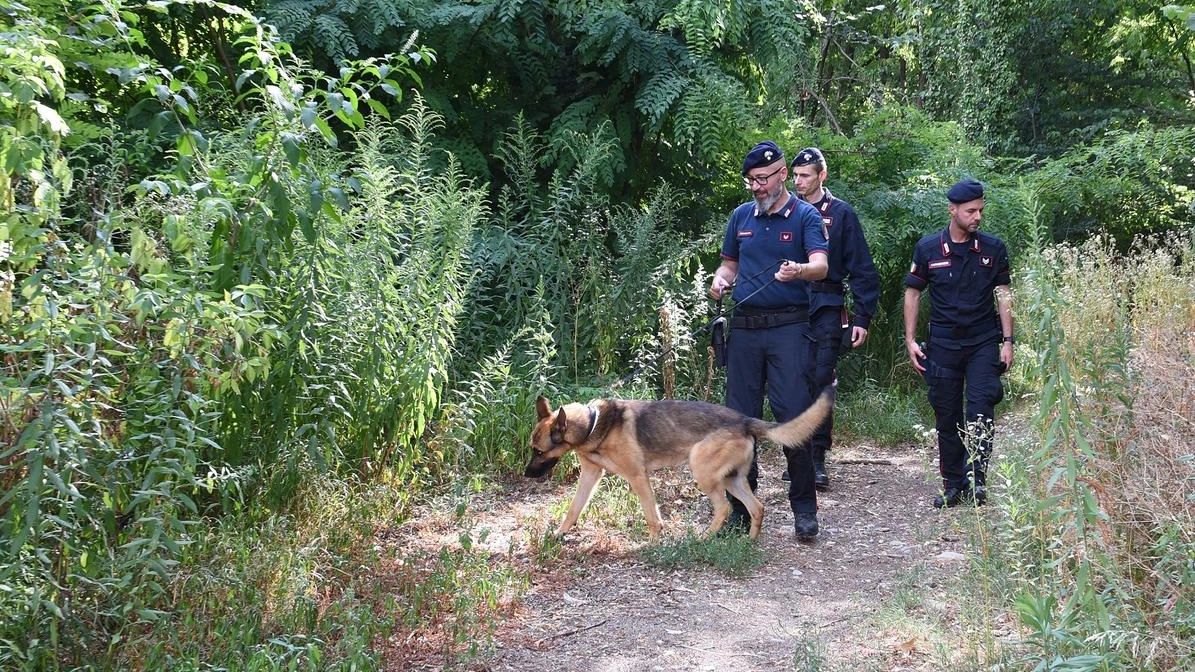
(765,204)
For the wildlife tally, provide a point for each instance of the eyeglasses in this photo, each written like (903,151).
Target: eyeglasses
(760,180)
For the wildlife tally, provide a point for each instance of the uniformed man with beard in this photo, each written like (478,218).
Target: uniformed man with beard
(774,247)
(970,339)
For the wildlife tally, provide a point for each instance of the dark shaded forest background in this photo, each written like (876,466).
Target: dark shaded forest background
(259,257)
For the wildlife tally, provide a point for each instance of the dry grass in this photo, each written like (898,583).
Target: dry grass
(1116,339)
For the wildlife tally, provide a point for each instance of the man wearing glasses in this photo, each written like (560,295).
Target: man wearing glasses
(774,246)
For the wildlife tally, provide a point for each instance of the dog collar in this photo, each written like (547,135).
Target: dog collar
(593,418)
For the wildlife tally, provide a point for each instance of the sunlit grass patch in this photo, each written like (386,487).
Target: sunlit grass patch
(450,602)
(809,654)
(732,554)
(613,508)
(544,545)
(885,416)
(925,623)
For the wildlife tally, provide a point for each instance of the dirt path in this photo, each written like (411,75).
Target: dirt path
(602,607)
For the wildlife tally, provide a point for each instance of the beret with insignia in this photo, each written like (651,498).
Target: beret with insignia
(808,156)
(965,191)
(763,154)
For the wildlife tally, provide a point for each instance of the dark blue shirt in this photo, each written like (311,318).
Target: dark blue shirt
(850,258)
(759,241)
(962,278)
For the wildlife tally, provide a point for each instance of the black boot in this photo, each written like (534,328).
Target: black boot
(820,480)
(952,497)
(738,523)
(805,525)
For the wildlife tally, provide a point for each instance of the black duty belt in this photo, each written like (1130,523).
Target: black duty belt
(765,319)
(827,287)
(959,333)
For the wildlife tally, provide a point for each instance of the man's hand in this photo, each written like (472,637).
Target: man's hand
(915,355)
(718,286)
(789,270)
(1006,352)
(858,336)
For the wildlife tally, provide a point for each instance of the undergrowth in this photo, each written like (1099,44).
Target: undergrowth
(1082,558)
(300,580)
(733,555)
(1090,544)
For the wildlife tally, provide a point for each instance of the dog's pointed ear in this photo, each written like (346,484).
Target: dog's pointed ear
(560,422)
(542,408)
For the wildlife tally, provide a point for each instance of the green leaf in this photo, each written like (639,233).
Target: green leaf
(378,108)
(326,131)
(292,146)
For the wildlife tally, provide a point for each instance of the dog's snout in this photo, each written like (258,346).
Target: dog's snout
(539,466)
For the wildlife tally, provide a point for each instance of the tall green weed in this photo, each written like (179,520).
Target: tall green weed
(303,583)
(370,308)
(1090,532)
(133,339)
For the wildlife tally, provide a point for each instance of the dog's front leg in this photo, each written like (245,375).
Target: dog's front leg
(590,475)
(641,485)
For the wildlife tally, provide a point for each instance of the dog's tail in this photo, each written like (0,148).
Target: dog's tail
(802,428)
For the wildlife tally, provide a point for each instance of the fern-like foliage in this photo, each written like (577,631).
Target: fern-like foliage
(659,94)
(710,111)
(332,35)
(330,31)
(676,83)
(292,18)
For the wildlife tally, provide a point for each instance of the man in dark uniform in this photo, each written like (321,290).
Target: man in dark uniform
(849,260)
(970,339)
(774,246)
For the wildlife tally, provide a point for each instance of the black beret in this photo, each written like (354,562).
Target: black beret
(965,191)
(763,154)
(807,156)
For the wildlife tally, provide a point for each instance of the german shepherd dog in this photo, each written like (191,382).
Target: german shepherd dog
(632,438)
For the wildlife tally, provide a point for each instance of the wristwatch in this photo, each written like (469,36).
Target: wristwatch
(1009,339)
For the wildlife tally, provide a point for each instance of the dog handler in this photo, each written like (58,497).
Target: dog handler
(970,339)
(774,247)
(849,260)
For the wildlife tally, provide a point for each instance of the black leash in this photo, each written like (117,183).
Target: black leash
(722,312)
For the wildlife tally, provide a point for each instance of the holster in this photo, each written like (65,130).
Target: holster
(718,340)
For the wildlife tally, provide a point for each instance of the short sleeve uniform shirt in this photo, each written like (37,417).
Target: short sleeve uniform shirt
(760,241)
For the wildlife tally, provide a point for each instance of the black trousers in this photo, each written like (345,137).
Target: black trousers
(826,328)
(775,361)
(964,434)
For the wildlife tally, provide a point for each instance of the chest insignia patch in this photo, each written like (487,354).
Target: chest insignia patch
(941,263)
(746,234)
(828,221)
(786,236)
(986,262)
